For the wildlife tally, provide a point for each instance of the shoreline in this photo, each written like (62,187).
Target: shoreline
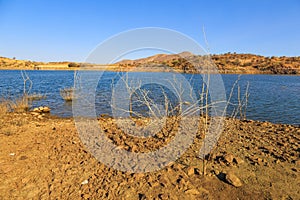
(225,118)
(157,71)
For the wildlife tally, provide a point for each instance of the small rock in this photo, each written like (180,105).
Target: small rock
(12,154)
(265,124)
(233,180)
(23,158)
(46,109)
(35,113)
(259,161)
(86,196)
(191,171)
(84,182)
(163,196)
(41,109)
(229,158)
(36,110)
(192,191)
(238,160)
(216,172)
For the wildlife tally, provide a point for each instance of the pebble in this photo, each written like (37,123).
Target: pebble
(192,191)
(35,113)
(238,160)
(84,182)
(229,158)
(192,171)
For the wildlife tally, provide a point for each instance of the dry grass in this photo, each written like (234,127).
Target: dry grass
(18,105)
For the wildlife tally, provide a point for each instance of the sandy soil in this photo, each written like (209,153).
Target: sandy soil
(42,157)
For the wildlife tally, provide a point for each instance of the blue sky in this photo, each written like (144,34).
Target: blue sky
(57,30)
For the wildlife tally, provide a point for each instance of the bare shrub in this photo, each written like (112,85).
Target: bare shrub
(67,93)
(18,105)
(35,97)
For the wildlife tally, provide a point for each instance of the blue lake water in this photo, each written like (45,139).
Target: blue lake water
(274,98)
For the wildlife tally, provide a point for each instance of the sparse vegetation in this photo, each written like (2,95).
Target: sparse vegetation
(67,93)
(164,106)
(19,105)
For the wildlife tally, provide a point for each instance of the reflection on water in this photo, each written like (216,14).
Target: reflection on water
(272,98)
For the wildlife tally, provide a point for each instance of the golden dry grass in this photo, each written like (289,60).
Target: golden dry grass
(19,105)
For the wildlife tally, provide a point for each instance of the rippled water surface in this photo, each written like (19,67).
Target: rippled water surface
(272,98)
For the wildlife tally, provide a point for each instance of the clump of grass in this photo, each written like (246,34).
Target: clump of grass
(19,105)
(67,94)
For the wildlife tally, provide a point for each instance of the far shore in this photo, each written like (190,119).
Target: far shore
(139,70)
(180,63)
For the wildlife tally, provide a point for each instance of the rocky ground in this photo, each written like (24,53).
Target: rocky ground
(42,157)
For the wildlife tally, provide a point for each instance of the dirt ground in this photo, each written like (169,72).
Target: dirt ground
(42,157)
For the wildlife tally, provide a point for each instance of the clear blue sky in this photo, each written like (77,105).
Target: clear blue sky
(56,30)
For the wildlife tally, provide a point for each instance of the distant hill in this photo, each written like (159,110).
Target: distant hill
(7,63)
(225,63)
(185,62)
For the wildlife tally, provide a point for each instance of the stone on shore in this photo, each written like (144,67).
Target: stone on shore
(233,179)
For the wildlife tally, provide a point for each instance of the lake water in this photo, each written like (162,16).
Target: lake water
(274,98)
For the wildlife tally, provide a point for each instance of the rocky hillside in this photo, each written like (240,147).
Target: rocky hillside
(7,63)
(225,63)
